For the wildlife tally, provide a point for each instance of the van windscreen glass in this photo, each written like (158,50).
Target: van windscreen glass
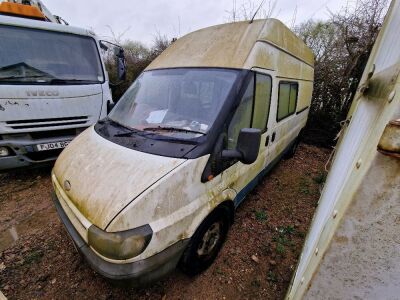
(31,56)
(180,103)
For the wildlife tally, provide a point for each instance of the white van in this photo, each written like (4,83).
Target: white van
(156,184)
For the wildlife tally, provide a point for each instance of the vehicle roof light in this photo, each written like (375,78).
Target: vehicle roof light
(21,10)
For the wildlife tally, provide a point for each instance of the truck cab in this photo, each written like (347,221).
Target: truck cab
(53,85)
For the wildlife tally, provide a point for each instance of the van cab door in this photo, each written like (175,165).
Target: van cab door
(253,112)
(265,98)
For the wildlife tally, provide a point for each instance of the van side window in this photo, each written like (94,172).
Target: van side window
(242,116)
(262,101)
(287,100)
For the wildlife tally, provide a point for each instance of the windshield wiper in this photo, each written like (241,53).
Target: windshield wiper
(71,81)
(166,128)
(22,77)
(50,80)
(128,132)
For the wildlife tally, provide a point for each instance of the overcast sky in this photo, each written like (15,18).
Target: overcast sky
(142,20)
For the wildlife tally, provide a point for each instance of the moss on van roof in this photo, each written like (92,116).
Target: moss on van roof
(230,45)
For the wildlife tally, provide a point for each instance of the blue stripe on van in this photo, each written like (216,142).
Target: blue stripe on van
(252,184)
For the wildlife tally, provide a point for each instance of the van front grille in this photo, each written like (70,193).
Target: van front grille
(40,123)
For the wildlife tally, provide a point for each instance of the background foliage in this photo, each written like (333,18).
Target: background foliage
(341,45)
(138,57)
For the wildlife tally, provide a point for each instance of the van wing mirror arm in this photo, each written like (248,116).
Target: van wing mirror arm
(231,154)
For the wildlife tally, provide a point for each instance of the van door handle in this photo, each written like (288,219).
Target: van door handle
(267,141)
(273,137)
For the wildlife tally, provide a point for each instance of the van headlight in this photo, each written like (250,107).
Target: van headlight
(120,245)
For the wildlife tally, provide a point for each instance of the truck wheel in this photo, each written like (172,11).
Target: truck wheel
(206,243)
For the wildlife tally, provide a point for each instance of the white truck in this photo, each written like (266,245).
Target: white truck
(53,83)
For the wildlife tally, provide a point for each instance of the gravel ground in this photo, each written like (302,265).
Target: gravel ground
(38,260)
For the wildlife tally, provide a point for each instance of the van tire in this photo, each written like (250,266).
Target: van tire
(217,223)
(292,150)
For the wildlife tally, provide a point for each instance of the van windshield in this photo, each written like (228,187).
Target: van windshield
(181,103)
(31,56)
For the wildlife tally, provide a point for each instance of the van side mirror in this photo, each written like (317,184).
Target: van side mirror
(121,66)
(247,148)
(120,58)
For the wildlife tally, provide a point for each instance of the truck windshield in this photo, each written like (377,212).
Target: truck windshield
(30,56)
(180,103)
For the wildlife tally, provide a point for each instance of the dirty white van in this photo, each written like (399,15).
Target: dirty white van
(156,183)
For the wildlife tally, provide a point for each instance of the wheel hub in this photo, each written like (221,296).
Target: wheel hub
(210,239)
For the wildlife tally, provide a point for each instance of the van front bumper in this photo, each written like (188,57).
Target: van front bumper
(137,273)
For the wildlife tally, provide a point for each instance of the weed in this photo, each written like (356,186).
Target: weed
(218,271)
(304,186)
(280,248)
(33,257)
(261,215)
(286,229)
(320,178)
(301,234)
(265,249)
(271,277)
(256,283)
(283,238)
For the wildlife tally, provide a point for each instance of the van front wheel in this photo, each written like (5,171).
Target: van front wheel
(206,243)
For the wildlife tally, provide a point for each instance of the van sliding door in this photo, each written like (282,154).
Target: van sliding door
(286,126)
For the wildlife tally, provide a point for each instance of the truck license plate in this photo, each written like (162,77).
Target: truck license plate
(52,146)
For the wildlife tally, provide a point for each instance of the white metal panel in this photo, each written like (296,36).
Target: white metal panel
(354,156)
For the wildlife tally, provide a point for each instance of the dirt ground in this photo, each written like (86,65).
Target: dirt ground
(38,260)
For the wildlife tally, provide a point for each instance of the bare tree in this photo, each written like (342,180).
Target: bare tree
(249,9)
(117,38)
(137,55)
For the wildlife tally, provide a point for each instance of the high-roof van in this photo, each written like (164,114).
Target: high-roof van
(156,183)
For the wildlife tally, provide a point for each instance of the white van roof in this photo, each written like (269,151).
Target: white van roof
(232,45)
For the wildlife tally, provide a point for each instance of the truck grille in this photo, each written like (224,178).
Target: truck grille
(39,123)
(38,135)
